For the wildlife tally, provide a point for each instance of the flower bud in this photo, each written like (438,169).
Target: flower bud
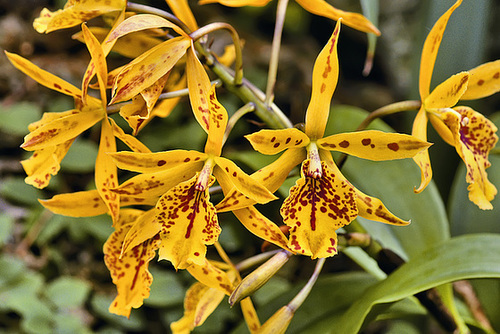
(278,323)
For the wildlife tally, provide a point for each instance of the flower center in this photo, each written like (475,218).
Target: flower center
(315,170)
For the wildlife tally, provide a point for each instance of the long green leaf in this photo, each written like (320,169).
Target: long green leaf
(471,256)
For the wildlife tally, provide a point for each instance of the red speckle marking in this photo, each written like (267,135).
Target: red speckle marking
(393,146)
(344,144)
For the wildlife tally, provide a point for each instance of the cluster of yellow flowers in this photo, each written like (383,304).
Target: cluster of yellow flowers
(182,221)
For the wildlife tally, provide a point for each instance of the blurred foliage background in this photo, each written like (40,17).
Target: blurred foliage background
(52,274)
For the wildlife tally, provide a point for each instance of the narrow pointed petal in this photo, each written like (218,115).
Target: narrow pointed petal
(158,161)
(250,315)
(484,81)
(211,276)
(315,209)
(143,71)
(422,158)
(77,204)
(132,142)
(153,92)
(199,303)
(217,125)
(475,136)
(372,208)
(374,145)
(198,84)
(271,142)
(135,113)
(129,271)
(272,177)
(141,22)
(324,82)
(145,227)
(447,94)
(353,20)
(262,227)
(97,64)
(181,9)
(430,50)
(153,185)
(106,173)
(74,13)
(44,163)
(61,130)
(189,224)
(43,77)
(231,175)
(237,3)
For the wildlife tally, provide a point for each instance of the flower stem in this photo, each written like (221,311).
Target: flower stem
(275,50)
(304,292)
(151,10)
(249,107)
(388,110)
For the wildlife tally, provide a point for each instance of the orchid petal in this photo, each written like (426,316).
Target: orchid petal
(250,315)
(217,127)
(129,271)
(145,227)
(447,94)
(74,13)
(44,163)
(430,50)
(43,77)
(353,20)
(442,129)
(211,276)
(372,208)
(484,81)
(422,158)
(97,64)
(153,92)
(135,113)
(272,177)
(61,129)
(199,303)
(158,161)
(315,209)
(474,138)
(237,3)
(271,142)
(325,77)
(262,227)
(374,145)
(230,175)
(199,87)
(106,174)
(153,185)
(143,71)
(132,142)
(189,224)
(181,9)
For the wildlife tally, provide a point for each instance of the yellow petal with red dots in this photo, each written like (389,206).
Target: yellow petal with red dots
(217,124)
(374,145)
(353,20)
(97,65)
(272,177)
(200,301)
(447,94)
(44,163)
(211,276)
(158,161)
(189,223)
(43,77)
(484,81)
(324,82)
(230,175)
(77,204)
(153,92)
(430,50)
(237,3)
(475,136)
(74,13)
(153,185)
(372,208)
(132,142)
(315,209)
(61,129)
(274,141)
(422,158)
(145,227)
(199,86)
(143,71)
(129,271)
(261,226)
(106,173)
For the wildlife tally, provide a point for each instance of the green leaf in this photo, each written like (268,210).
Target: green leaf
(166,289)
(14,189)
(100,304)
(14,120)
(471,256)
(68,292)
(6,226)
(80,157)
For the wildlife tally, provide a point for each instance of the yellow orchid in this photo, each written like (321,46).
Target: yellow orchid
(316,7)
(74,13)
(468,131)
(322,200)
(184,216)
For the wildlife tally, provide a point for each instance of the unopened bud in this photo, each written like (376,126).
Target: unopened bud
(256,279)
(278,322)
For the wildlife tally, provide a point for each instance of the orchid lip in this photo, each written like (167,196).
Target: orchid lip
(204,177)
(315,170)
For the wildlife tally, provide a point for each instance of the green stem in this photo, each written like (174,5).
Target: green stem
(249,107)
(275,50)
(135,7)
(302,295)
(388,110)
